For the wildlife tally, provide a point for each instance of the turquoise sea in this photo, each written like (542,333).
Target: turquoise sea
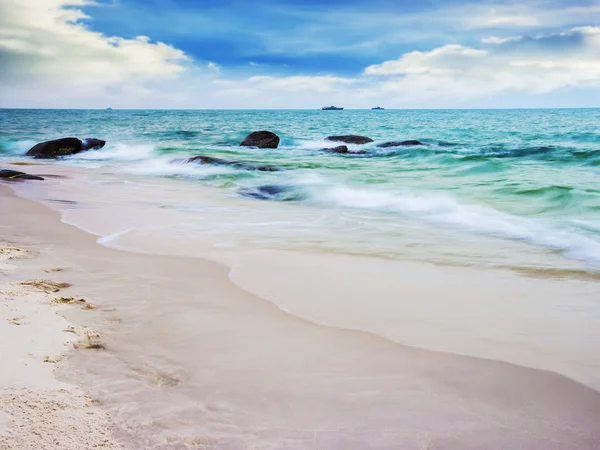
(499,188)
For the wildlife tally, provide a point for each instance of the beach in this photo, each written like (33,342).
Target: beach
(183,357)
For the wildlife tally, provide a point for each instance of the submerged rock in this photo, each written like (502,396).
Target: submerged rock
(338,149)
(16,175)
(271,192)
(201,159)
(400,144)
(343,150)
(261,139)
(63,147)
(350,139)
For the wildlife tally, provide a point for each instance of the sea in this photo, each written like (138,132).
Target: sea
(506,195)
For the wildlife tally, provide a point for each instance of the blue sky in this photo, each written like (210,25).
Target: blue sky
(290,53)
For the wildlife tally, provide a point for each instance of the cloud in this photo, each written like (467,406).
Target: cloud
(325,83)
(47,51)
(214,66)
(520,64)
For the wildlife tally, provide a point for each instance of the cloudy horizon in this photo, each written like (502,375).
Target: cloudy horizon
(291,54)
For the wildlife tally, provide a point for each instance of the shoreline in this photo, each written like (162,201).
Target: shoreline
(341,387)
(37,410)
(540,322)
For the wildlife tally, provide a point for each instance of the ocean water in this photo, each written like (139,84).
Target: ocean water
(484,242)
(498,188)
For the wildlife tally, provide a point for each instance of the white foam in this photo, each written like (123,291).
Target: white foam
(19,147)
(446,211)
(166,167)
(118,152)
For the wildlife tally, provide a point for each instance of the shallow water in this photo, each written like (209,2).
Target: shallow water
(511,192)
(526,179)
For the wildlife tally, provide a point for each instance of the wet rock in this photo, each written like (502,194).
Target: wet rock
(270,192)
(8,174)
(92,144)
(261,139)
(201,159)
(56,148)
(343,150)
(63,147)
(350,139)
(400,144)
(338,149)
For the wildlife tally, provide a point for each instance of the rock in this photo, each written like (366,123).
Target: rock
(64,147)
(343,150)
(92,144)
(16,175)
(269,192)
(261,139)
(400,144)
(338,149)
(350,139)
(55,148)
(201,159)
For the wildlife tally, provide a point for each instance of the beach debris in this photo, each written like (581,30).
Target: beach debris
(11,252)
(53,359)
(201,159)
(261,139)
(350,139)
(88,306)
(18,321)
(90,339)
(400,144)
(8,174)
(67,301)
(46,285)
(53,270)
(64,147)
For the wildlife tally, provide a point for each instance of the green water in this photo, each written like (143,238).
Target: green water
(524,180)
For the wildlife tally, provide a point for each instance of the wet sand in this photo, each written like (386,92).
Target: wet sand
(193,361)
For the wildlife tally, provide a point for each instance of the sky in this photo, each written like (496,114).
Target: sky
(197,54)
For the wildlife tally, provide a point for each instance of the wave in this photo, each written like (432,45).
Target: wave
(439,210)
(16,148)
(117,152)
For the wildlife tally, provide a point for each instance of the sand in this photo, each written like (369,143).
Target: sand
(176,356)
(36,410)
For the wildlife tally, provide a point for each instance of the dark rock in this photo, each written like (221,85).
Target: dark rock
(64,147)
(240,165)
(92,144)
(56,148)
(16,175)
(400,144)
(350,139)
(338,149)
(261,139)
(343,150)
(270,192)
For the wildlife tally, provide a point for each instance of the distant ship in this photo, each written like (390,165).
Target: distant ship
(331,108)
(109,109)
(377,108)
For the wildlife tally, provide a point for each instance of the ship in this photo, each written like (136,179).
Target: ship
(377,108)
(331,108)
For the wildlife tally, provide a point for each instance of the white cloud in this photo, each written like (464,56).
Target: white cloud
(325,83)
(45,46)
(214,66)
(527,65)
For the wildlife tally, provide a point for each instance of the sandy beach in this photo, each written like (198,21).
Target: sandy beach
(173,354)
